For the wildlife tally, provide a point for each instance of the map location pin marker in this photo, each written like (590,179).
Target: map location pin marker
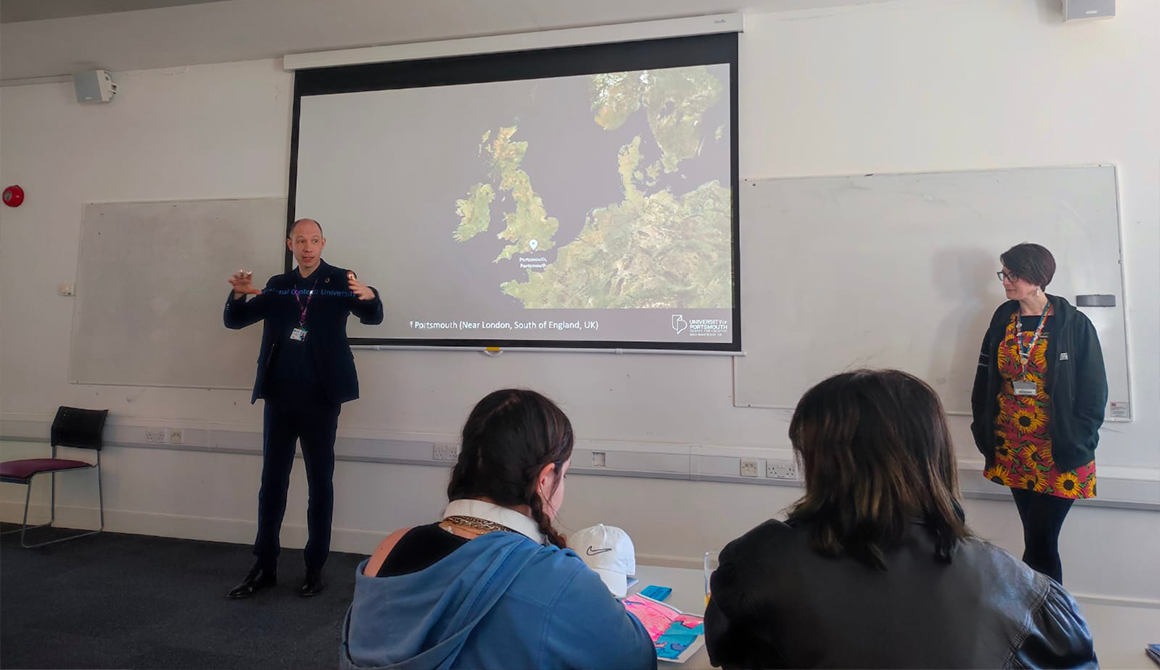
(533,244)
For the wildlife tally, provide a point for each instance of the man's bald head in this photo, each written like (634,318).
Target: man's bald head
(305,241)
(309,223)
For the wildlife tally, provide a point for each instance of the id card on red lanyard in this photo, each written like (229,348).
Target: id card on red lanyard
(299,333)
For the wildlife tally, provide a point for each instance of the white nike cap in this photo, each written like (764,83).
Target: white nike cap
(609,552)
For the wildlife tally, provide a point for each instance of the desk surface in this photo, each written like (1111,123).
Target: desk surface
(688,595)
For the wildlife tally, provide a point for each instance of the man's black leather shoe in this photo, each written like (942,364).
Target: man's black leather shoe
(258,579)
(312,585)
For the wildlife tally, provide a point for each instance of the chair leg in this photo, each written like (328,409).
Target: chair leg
(24,527)
(24,524)
(27,498)
(100,494)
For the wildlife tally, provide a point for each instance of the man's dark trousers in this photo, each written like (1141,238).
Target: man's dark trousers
(306,415)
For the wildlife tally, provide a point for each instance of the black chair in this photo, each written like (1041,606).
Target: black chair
(72,427)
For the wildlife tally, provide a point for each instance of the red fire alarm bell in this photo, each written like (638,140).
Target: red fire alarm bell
(13,196)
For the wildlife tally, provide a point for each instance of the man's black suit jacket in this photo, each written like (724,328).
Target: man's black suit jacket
(332,303)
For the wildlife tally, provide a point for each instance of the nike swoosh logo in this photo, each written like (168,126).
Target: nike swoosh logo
(590,552)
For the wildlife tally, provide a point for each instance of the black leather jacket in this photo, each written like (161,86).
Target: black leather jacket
(776,603)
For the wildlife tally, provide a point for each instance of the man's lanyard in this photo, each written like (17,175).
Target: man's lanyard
(302,307)
(1025,352)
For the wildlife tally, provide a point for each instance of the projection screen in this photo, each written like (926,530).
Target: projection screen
(580,197)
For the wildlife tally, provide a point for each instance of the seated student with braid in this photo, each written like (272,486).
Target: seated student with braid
(491,585)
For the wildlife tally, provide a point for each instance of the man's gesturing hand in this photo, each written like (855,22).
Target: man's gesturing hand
(362,291)
(241,281)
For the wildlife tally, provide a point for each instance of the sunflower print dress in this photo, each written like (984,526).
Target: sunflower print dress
(1023,440)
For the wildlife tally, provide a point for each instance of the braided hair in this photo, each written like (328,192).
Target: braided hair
(509,437)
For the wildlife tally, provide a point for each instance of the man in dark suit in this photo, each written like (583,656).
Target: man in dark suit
(305,373)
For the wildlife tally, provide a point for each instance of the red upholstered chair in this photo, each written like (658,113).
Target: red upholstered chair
(72,427)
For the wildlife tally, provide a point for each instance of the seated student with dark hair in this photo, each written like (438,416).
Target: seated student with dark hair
(491,586)
(875,566)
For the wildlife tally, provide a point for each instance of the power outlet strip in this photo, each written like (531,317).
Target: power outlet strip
(784,470)
(446,452)
(164,436)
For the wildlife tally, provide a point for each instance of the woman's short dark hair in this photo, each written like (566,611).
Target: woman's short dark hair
(509,437)
(877,457)
(1032,262)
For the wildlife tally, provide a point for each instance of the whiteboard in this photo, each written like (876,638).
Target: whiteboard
(151,285)
(898,270)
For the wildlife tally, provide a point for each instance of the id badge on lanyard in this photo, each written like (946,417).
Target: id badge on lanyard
(299,333)
(1025,388)
(1022,386)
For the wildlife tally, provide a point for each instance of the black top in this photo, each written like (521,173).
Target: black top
(293,361)
(418,549)
(1030,323)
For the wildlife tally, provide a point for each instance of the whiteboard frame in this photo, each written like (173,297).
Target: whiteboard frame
(1119,248)
(75,321)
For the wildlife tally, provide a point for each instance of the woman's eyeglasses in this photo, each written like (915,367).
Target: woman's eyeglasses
(1003,276)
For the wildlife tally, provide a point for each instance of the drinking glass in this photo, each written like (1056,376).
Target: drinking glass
(711,561)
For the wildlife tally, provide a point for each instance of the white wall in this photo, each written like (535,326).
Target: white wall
(894,87)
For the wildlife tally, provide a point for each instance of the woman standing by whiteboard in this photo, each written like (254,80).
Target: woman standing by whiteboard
(1038,402)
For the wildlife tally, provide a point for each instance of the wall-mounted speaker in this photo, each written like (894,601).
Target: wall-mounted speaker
(94,86)
(1088,9)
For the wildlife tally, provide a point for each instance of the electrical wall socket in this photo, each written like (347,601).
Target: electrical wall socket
(786,470)
(175,435)
(446,452)
(749,467)
(599,459)
(155,436)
